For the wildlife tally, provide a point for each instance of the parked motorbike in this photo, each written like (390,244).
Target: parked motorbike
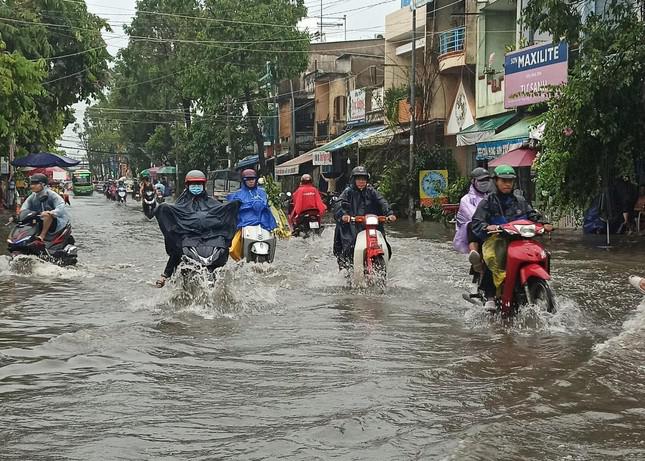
(307,223)
(258,244)
(59,249)
(121,194)
(149,203)
(371,252)
(528,270)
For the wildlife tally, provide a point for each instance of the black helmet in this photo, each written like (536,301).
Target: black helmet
(360,171)
(480,173)
(38,178)
(195,176)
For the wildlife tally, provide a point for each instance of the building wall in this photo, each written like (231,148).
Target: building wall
(285,120)
(495,31)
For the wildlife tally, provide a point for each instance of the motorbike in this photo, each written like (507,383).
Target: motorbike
(60,249)
(149,203)
(258,244)
(121,194)
(528,270)
(204,254)
(371,252)
(307,223)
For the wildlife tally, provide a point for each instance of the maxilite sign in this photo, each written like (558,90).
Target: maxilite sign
(529,71)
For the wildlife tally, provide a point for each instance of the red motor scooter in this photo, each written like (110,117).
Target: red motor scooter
(527,269)
(371,253)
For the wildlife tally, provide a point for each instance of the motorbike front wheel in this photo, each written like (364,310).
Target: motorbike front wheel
(541,294)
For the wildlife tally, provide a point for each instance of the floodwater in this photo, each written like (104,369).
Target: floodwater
(286,361)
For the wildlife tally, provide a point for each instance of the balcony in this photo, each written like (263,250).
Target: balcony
(451,48)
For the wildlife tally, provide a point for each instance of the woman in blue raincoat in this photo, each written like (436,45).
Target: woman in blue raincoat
(254,208)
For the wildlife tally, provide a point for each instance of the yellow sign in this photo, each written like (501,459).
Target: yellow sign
(432,186)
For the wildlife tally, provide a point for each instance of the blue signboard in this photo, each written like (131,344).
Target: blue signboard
(405,3)
(536,56)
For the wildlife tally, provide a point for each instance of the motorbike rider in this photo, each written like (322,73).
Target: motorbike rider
(465,240)
(358,199)
(500,207)
(145,185)
(305,198)
(254,208)
(49,205)
(194,198)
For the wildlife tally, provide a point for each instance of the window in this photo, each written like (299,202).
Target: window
(340,109)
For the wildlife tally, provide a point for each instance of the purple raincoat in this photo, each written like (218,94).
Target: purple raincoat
(467,207)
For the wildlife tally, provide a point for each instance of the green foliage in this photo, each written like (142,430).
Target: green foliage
(595,126)
(65,40)
(20,88)
(391,101)
(273,191)
(457,189)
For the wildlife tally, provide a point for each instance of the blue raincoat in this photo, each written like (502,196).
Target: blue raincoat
(254,208)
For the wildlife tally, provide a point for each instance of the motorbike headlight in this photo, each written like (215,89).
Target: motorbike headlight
(526,231)
(371,221)
(260,248)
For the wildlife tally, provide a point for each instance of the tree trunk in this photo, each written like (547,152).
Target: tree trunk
(257,134)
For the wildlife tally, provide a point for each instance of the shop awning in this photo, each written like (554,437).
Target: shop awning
(483,129)
(513,137)
(521,157)
(351,137)
(291,167)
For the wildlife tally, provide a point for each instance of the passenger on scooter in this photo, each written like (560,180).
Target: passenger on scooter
(305,198)
(49,205)
(254,208)
(465,241)
(358,199)
(500,207)
(183,219)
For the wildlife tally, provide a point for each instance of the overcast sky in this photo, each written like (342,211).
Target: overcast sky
(365,19)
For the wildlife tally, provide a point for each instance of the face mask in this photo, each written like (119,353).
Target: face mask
(196,189)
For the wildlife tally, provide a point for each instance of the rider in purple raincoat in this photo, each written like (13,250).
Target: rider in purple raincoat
(480,186)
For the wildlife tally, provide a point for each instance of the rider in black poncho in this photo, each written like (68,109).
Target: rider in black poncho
(195,219)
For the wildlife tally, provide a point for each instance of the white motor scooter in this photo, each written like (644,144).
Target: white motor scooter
(258,244)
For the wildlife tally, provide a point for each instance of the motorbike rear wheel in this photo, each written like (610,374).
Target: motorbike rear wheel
(541,294)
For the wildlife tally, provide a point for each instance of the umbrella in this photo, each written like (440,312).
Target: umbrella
(519,157)
(167,170)
(45,160)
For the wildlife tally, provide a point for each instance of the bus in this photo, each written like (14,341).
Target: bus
(82,182)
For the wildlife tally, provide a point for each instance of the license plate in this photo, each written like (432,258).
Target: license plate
(314,225)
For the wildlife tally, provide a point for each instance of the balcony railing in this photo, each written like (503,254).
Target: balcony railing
(452,40)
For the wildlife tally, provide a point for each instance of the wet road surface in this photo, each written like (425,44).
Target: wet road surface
(286,361)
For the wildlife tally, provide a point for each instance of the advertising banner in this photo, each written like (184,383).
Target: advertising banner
(287,170)
(529,71)
(432,186)
(356,106)
(322,158)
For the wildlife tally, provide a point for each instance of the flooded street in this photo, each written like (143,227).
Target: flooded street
(286,361)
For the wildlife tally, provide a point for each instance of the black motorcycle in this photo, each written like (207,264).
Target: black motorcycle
(59,249)
(149,203)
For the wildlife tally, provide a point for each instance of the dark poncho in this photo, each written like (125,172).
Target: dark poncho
(197,220)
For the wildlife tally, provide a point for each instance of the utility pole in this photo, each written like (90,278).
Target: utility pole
(229,147)
(321,21)
(293,123)
(413,109)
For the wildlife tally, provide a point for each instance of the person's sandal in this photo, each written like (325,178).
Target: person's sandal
(161,282)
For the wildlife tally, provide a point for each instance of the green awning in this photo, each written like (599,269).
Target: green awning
(520,129)
(349,138)
(483,129)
